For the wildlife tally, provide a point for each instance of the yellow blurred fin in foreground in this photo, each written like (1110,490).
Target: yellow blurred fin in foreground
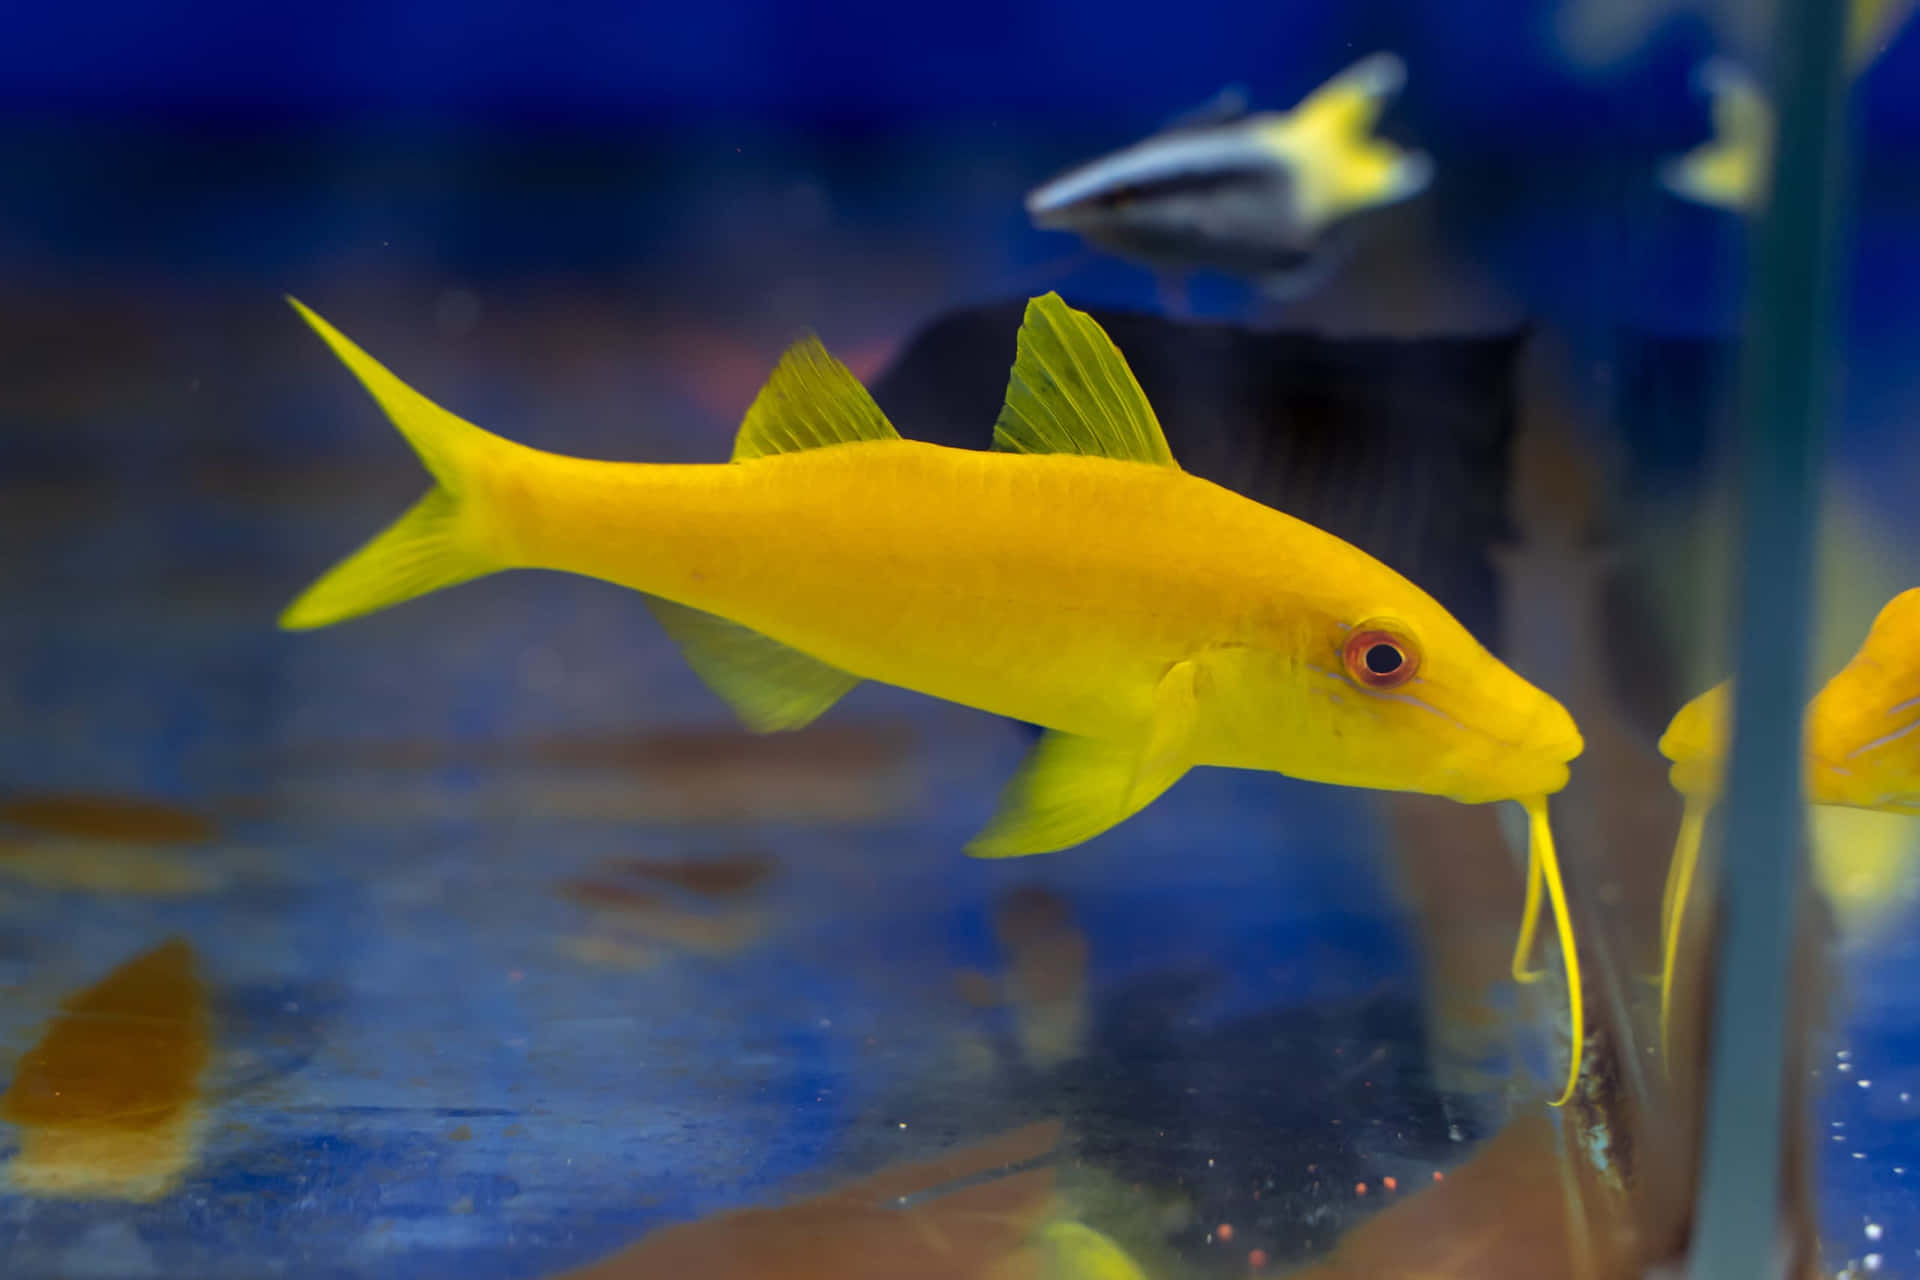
(1078,1252)
(1860,756)
(1338,165)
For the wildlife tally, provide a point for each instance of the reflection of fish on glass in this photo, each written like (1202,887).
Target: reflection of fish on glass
(1073,578)
(1860,745)
(1252,195)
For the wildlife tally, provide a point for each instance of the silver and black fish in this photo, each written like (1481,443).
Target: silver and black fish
(1253,195)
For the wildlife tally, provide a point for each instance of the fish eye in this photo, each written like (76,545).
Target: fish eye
(1379,658)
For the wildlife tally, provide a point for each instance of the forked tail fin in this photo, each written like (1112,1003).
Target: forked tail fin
(443,539)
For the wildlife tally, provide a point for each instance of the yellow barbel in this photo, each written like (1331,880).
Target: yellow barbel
(1861,752)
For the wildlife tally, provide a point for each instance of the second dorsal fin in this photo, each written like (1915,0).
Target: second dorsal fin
(810,401)
(1071,392)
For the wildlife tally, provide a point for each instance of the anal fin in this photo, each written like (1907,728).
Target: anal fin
(769,685)
(1071,788)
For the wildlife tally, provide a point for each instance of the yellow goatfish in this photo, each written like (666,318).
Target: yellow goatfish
(1861,752)
(1075,578)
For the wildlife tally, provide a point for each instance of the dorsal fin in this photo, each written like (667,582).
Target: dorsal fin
(810,401)
(1071,392)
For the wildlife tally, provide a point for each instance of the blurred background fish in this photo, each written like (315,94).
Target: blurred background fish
(1261,196)
(1729,171)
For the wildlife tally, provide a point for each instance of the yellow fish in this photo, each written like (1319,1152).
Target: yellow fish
(1075,578)
(1861,752)
(1728,170)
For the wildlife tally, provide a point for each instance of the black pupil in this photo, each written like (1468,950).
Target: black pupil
(1383,659)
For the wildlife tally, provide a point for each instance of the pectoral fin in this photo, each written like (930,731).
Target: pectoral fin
(1070,788)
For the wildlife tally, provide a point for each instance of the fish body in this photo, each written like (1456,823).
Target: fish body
(910,563)
(1250,195)
(1074,577)
(1862,748)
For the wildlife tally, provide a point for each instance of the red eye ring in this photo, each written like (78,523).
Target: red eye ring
(1380,659)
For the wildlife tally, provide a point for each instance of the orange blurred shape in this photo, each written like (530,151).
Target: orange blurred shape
(709,877)
(859,1232)
(108,1101)
(93,816)
(1503,1213)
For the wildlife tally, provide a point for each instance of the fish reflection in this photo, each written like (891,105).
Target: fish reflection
(1251,195)
(106,816)
(107,1104)
(642,907)
(823,774)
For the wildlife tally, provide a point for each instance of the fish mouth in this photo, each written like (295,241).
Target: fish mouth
(1542,776)
(1552,735)
(1535,764)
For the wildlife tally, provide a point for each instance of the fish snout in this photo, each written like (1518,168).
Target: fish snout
(1529,760)
(1549,743)
(1553,734)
